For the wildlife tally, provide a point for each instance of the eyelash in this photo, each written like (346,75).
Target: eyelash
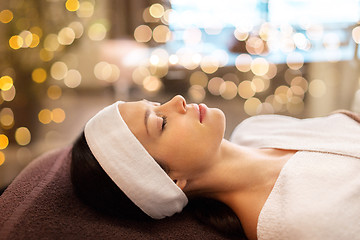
(164,122)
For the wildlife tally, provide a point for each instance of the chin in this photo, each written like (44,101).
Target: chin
(221,120)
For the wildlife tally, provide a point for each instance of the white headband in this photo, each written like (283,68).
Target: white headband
(130,166)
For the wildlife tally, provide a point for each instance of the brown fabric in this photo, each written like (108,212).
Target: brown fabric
(40,204)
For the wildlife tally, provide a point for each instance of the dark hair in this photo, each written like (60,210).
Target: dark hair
(95,188)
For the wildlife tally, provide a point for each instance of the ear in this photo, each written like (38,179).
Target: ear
(181,183)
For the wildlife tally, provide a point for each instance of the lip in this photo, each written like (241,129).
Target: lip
(202,111)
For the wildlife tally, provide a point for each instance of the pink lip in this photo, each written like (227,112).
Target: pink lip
(202,110)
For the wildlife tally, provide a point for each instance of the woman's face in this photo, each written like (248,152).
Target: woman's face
(183,137)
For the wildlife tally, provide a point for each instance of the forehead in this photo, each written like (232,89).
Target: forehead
(133,114)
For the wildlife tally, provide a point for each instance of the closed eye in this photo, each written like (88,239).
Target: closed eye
(164,122)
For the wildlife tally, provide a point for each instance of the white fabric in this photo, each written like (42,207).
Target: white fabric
(130,166)
(317,194)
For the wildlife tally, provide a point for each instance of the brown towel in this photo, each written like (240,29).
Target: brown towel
(40,204)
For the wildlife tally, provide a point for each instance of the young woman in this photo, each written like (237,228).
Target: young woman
(278,178)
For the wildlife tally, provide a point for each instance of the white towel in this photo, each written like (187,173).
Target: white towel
(317,194)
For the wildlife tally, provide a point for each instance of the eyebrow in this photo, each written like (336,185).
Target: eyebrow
(146,117)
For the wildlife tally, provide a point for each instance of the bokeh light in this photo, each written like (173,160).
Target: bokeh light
(245,89)
(97,32)
(317,88)
(45,116)
(73,78)
(6,82)
(161,34)
(156,10)
(143,33)
(6,118)
(86,9)
(6,16)
(16,42)
(72,5)
(4,141)
(152,84)
(58,115)
(214,85)
(66,36)
(22,136)
(199,78)
(39,75)
(197,93)
(54,92)
(58,70)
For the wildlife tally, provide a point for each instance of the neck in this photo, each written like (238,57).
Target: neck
(242,178)
(235,169)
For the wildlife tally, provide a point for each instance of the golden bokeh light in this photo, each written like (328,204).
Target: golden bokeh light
(102,70)
(97,32)
(259,84)
(73,78)
(245,89)
(22,136)
(36,30)
(27,37)
(9,95)
(214,85)
(7,118)
(152,84)
(255,45)
(66,36)
(317,88)
(46,55)
(51,42)
(209,64)
(6,16)
(156,10)
(251,106)
(259,66)
(295,105)
(54,92)
(72,5)
(139,74)
(58,70)
(6,82)
(143,33)
(86,9)
(199,78)
(78,28)
(35,40)
(16,42)
(45,116)
(2,158)
(228,90)
(197,93)
(58,115)
(161,34)
(147,16)
(4,141)
(39,75)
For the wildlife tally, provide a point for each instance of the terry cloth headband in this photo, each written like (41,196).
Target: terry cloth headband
(130,166)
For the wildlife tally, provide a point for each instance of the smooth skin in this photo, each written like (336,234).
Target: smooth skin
(200,161)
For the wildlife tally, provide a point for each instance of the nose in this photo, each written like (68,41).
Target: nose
(177,103)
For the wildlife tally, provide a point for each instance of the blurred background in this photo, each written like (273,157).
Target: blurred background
(63,60)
